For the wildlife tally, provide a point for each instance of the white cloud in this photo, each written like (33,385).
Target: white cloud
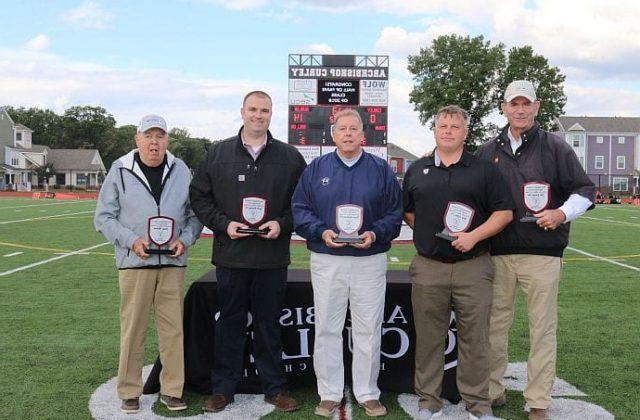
(395,40)
(239,4)
(599,38)
(38,43)
(317,49)
(405,129)
(89,15)
(207,107)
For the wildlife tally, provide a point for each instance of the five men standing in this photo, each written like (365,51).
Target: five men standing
(242,191)
(550,189)
(454,202)
(348,206)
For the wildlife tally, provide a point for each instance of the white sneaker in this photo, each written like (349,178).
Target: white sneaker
(426,414)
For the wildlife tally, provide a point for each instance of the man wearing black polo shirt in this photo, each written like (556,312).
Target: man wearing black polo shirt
(452,194)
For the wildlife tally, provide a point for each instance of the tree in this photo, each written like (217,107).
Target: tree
(190,150)
(46,124)
(524,64)
(471,73)
(123,141)
(87,127)
(457,70)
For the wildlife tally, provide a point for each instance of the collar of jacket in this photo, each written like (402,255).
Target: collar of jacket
(128,161)
(465,158)
(241,146)
(529,135)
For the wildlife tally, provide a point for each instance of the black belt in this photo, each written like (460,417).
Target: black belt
(450,260)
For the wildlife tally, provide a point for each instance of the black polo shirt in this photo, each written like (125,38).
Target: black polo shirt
(427,189)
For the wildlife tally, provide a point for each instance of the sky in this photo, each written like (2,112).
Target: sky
(192,61)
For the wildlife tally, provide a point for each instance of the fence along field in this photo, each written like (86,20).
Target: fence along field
(59,304)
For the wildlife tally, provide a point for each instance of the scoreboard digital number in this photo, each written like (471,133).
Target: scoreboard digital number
(322,85)
(310,125)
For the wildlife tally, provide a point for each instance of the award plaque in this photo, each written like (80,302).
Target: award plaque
(349,221)
(160,232)
(254,212)
(457,218)
(536,197)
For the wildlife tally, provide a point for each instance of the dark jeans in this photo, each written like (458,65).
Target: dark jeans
(261,292)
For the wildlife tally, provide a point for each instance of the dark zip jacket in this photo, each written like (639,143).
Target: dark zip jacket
(226,175)
(542,156)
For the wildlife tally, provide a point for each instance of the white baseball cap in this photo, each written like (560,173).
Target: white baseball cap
(152,121)
(522,88)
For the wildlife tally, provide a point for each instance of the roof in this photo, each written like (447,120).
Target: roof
(600,124)
(22,127)
(74,159)
(397,151)
(35,148)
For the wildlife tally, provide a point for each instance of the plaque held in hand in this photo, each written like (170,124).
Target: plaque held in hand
(349,221)
(254,212)
(536,197)
(160,232)
(457,218)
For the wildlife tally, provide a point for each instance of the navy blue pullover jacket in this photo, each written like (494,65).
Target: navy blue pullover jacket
(327,183)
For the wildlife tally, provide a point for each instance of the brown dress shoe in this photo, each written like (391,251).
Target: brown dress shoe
(173,403)
(500,400)
(283,402)
(216,402)
(539,414)
(130,405)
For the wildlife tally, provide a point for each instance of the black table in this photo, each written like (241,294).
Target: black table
(398,339)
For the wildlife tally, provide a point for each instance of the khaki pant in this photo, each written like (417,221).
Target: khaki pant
(436,287)
(139,291)
(538,277)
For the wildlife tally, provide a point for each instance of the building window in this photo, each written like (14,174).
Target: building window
(599,139)
(599,162)
(620,140)
(620,184)
(576,143)
(14,161)
(620,162)
(19,136)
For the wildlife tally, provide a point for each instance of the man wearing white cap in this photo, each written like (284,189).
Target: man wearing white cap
(550,188)
(143,210)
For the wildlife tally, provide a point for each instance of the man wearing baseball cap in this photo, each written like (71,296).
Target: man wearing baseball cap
(550,188)
(143,210)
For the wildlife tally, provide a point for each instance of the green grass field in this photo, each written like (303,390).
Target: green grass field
(59,322)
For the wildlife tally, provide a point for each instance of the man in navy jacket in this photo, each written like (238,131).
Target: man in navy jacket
(348,206)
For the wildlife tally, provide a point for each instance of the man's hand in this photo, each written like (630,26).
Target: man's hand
(274,229)
(139,247)
(178,248)
(368,238)
(328,236)
(465,241)
(550,219)
(232,230)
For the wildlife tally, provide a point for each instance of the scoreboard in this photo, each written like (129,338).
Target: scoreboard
(322,85)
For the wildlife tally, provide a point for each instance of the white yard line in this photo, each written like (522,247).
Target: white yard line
(6,222)
(48,204)
(13,254)
(59,257)
(598,257)
(619,222)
